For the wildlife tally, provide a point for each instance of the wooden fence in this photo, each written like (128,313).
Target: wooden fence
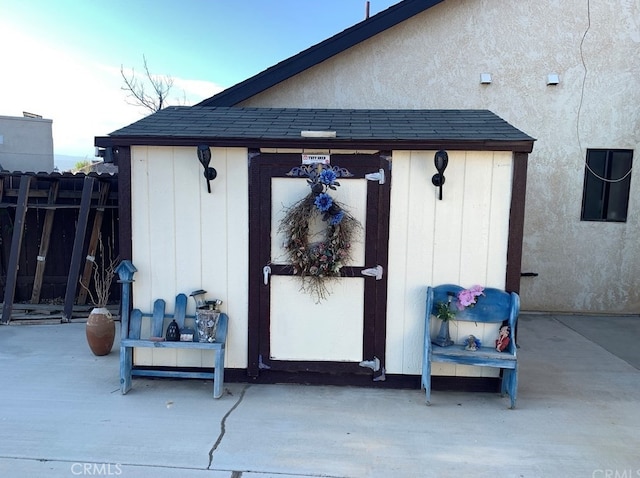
(51,228)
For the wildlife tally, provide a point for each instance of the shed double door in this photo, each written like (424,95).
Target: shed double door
(289,329)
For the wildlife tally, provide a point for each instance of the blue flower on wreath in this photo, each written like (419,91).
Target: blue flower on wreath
(336,218)
(328,176)
(323,202)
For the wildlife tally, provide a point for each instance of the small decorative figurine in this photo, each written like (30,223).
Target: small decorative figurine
(472,343)
(173,332)
(503,338)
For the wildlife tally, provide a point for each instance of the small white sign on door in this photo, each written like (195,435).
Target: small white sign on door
(316,158)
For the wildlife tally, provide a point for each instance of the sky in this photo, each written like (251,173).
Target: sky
(61,59)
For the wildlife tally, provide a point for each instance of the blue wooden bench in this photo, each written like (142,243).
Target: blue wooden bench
(496,306)
(131,338)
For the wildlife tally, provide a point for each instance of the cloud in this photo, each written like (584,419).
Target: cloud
(82,97)
(82,101)
(185,92)
(197,89)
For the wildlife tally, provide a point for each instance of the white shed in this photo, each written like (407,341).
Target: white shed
(229,241)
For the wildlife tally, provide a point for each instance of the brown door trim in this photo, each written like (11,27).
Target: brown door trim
(378,199)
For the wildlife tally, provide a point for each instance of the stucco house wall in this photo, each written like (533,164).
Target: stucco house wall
(435,59)
(26,144)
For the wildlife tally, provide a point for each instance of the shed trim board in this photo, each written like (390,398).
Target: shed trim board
(401,145)
(151,134)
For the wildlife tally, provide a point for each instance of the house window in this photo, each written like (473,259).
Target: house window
(607,178)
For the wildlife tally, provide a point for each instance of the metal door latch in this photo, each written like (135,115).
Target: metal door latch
(376,272)
(266,272)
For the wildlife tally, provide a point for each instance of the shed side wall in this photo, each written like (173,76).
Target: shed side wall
(185,239)
(461,239)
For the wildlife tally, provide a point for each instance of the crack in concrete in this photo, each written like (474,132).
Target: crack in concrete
(223,427)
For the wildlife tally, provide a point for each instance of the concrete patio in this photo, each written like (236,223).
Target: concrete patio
(578,415)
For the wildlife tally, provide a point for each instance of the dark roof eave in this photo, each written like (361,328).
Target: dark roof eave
(519,146)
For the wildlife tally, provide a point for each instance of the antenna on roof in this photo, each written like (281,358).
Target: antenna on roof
(366,10)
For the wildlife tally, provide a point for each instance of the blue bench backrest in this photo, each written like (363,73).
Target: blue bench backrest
(159,318)
(494,306)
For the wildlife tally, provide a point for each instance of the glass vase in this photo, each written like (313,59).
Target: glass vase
(444,338)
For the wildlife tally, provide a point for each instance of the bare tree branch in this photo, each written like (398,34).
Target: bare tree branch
(103,274)
(139,94)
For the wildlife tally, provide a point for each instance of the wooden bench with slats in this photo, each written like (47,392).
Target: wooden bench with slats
(496,306)
(131,338)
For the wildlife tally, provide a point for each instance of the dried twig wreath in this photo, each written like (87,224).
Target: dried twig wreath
(318,262)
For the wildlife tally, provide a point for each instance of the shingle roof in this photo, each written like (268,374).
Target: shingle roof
(319,52)
(287,123)
(256,127)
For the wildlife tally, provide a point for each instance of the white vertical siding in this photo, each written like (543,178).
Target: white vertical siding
(461,239)
(186,239)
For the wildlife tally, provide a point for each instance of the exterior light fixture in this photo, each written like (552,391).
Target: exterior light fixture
(204,156)
(440,160)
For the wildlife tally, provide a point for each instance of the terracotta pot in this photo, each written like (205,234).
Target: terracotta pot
(101,331)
